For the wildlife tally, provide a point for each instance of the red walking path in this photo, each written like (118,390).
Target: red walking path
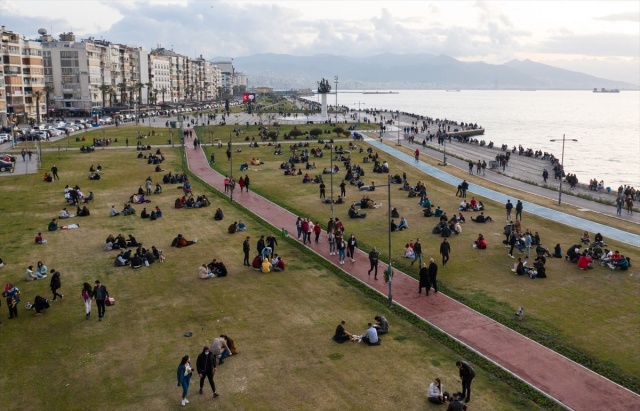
(556,376)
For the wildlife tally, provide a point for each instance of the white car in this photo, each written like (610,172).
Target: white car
(4,138)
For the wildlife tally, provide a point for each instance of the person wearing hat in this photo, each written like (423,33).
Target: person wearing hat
(206,367)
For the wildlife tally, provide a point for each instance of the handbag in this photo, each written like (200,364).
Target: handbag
(110,301)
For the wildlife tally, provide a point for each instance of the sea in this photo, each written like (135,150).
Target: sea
(605,125)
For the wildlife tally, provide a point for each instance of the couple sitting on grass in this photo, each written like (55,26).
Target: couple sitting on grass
(370,336)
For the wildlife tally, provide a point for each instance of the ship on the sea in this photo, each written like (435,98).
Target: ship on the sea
(380,92)
(604,90)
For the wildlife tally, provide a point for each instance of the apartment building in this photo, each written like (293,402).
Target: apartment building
(23,79)
(90,75)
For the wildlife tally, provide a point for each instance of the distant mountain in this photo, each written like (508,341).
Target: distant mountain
(411,71)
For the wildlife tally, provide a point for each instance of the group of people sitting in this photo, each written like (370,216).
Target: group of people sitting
(174,178)
(538,270)
(237,226)
(371,336)
(120,242)
(472,205)
(154,215)
(180,242)
(191,202)
(402,225)
(74,195)
(585,258)
(261,262)
(214,269)
(140,257)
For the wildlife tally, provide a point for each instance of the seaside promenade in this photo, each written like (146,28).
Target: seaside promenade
(559,378)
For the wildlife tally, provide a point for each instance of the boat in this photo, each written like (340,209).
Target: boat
(453,91)
(380,92)
(604,90)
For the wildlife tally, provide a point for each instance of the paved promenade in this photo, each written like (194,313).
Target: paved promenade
(552,374)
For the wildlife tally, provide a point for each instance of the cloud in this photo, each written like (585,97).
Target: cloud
(632,16)
(595,44)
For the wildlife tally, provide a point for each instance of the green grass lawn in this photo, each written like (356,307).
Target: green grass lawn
(282,323)
(585,311)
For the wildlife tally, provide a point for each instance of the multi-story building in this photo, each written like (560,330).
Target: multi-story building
(226,77)
(90,75)
(22,77)
(160,77)
(178,74)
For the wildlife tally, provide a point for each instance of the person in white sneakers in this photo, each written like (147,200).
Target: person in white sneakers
(184,373)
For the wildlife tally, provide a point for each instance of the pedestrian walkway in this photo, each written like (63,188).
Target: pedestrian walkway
(556,376)
(556,216)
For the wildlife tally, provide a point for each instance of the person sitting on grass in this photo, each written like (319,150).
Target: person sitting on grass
(585,262)
(622,263)
(354,214)
(219,215)
(480,242)
(266,266)
(481,218)
(136,261)
(180,242)
(158,189)
(83,212)
(403,225)
(64,213)
(393,226)
(120,260)
(557,251)
(371,336)
(40,304)
(341,335)
(204,272)
(435,393)
(128,210)
(573,253)
(585,238)
(381,325)
(144,213)
(53,225)
(408,252)
(113,212)
(241,226)
(39,239)
(257,262)
(233,227)
(279,265)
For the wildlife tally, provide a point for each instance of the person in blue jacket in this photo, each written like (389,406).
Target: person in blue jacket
(184,377)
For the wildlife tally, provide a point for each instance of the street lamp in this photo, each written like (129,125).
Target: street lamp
(390,267)
(444,151)
(359,109)
(336,79)
(562,164)
(398,143)
(331,187)
(231,168)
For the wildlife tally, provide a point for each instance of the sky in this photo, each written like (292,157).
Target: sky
(600,38)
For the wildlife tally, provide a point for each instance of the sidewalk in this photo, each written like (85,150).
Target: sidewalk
(558,377)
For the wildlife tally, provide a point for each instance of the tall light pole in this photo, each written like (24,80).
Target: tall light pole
(398,143)
(331,188)
(231,168)
(359,109)
(390,268)
(336,80)
(562,165)
(444,150)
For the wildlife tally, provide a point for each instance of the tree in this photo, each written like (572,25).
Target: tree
(105,89)
(112,97)
(132,89)
(139,87)
(48,89)
(315,132)
(123,91)
(338,130)
(155,96)
(163,90)
(272,135)
(295,133)
(37,95)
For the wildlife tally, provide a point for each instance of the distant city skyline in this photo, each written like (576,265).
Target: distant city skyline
(600,38)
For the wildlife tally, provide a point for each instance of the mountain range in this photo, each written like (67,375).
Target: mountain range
(411,71)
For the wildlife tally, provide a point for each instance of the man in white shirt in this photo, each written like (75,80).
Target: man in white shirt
(371,336)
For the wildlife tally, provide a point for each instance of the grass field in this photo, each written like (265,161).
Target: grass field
(282,323)
(583,311)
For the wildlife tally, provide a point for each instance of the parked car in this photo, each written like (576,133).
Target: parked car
(5,165)
(4,138)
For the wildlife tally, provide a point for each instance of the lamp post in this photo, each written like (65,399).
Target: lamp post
(359,109)
(331,187)
(390,267)
(561,164)
(231,168)
(444,151)
(336,80)
(398,143)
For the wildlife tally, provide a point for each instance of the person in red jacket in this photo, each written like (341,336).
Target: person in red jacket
(585,262)
(317,230)
(279,265)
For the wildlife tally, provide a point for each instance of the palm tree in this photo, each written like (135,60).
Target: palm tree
(155,96)
(37,95)
(48,89)
(139,87)
(123,91)
(163,90)
(131,88)
(105,89)
(112,96)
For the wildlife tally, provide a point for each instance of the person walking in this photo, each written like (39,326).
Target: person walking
(212,160)
(545,175)
(184,377)
(12,296)
(508,207)
(87,293)
(304,227)
(341,245)
(241,183)
(272,242)
(147,184)
(246,182)
(467,374)
(528,241)
(352,243)
(246,248)
(445,249)
(417,251)
(519,207)
(464,187)
(226,184)
(54,170)
(513,238)
(433,273)
(299,227)
(424,279)
(322,190)
(343,191)
(317,229)
(206,367)
(331,239)
(23,153)
(100,294)
(619,204)
(55,284)
(374,256)
(470,167)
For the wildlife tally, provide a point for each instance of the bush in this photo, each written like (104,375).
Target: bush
(295,133)
(338,130)
(315,132)
(272,135)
